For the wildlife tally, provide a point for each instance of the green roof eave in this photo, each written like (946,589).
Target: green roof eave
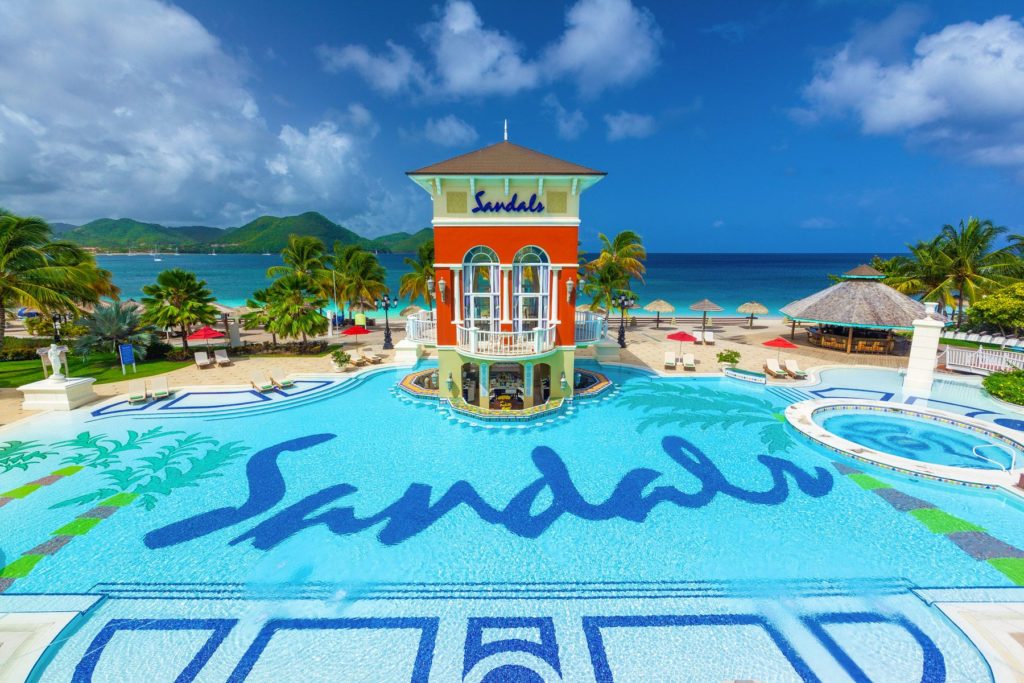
(839,323)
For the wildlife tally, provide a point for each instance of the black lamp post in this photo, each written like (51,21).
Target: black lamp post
(385,303)
(624,302)
(57,320)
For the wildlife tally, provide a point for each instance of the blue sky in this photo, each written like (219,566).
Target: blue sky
(741,126)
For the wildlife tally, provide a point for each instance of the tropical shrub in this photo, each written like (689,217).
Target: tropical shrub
(1008,386)
(1002,310)
(113,324)
(340,358)
(729,357)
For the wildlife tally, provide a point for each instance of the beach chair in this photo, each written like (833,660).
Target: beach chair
(371,358)
(371,352)
(698,336)
(999,339)
(688,362)
(221,356)
(280,379)
(793,369)
(709,337)
(260,381)
(771,366)
(359,361)
(137,391)
(202,359)
(159,389)
(670,359)
(985,339)
(974,337)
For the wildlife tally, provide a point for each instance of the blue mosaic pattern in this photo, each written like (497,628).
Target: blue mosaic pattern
(197,400)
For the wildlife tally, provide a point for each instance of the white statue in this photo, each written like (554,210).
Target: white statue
(55,362)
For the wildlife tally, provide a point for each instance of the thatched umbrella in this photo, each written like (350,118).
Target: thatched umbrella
(705,306)
(753,308)
(409,310)
(859,300)
(659,306)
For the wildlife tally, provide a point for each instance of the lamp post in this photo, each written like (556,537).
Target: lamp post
(624,302)
(385,303)
(57,320)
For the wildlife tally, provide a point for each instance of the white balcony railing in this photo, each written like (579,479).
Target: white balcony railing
(590,327)
(487,343)
(421,327)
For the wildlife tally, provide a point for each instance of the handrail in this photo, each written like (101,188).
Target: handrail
(589,326)
(1013,455)
(501,343)
(421,327)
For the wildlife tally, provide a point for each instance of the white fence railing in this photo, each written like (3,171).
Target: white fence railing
(421,327)
(983,361)
(590,327)
(488,343)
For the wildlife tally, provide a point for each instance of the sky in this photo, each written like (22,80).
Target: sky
(823,125)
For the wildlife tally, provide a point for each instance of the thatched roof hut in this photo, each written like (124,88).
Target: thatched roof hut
(861,300)
(659,306)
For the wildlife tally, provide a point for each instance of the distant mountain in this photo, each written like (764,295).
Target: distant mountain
(265,234)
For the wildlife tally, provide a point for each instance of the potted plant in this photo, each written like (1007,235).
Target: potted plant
(340,360)
(728,358)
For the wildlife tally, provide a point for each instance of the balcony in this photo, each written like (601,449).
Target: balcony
(590,327)
(506,344)
(421,327)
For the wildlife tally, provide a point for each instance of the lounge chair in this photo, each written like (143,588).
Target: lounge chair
(973,337)
(670,359)
(709,337)
(280,379)
(793,369)
(359,361)
(771,366)
(202,359)
(999,339)
(260,381)
(221,356)
(985,339)
(370,358)
(137,391)
(159,389)
(371,352)
(698,336)
(688,362)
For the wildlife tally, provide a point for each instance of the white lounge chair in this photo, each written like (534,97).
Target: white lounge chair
(137,391)
(999,339)
(670,359)
(159,388)
(974,337)
(371,352)
(260,381)
(771,366)
(793,369)
(985,339)
(698,336)
(709,337)
(371,358)
(202,359)
(280,379)
(221,356)
(688,362)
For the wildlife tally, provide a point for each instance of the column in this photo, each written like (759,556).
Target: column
(485,388)
(528,385)
(553,294)
(506,300)
(923,349)
(457,295)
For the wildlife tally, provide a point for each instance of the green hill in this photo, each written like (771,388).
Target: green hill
(265,234)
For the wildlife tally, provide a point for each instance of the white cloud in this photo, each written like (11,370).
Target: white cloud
(132,108)
(817,223)
(570,124)
(606,43)
(626,124)
(961,92)
(450,131)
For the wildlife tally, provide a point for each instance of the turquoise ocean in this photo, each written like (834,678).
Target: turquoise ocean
(681,279)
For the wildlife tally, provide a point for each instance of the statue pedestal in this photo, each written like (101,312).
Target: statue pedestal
(606,350)
(49,395)
(408,352)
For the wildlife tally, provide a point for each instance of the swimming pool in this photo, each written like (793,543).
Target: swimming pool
(674,528)
(921,439)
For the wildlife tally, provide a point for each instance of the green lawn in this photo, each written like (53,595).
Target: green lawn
(103,366)
(969,345)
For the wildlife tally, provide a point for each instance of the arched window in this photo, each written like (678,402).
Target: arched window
(530,283)
(481,288)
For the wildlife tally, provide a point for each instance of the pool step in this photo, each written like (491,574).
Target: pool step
(791,394)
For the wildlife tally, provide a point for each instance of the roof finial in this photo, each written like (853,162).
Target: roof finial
(506,130)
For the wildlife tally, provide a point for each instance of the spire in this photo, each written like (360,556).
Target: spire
(506,130)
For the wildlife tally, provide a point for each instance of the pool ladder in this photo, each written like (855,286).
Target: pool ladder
(1013,455)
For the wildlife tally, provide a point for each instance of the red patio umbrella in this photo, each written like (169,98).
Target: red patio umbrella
(355,330)
(205,333)
(681,337)
(779,343)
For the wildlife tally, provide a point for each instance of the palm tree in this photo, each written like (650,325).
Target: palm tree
(626,252)
(602,283)
(178,299)
(113,324)
(258,315)
(414,283)
(361,278)
(303,257)
(47,275)
(294,308)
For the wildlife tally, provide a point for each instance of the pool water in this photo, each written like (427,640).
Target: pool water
(920,439)
(671,529)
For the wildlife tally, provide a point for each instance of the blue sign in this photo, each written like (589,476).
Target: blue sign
(512,205)
(127,354)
